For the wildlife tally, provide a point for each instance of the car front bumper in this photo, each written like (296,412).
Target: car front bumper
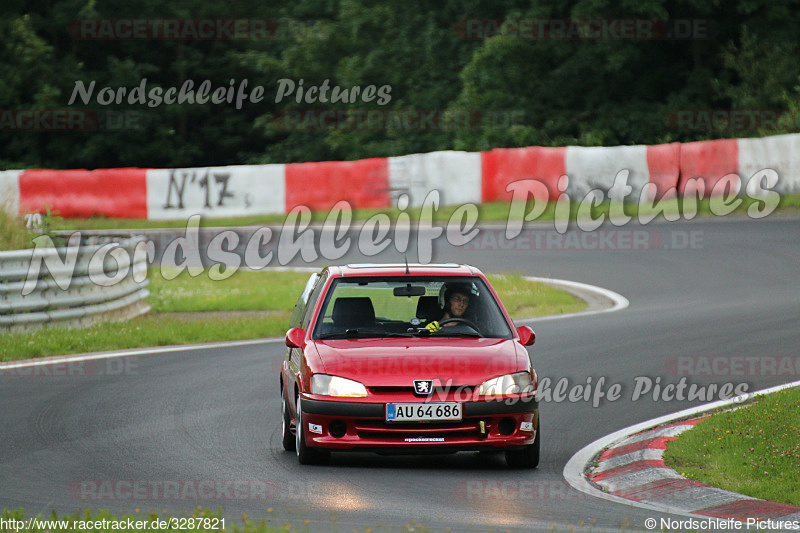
(362,426)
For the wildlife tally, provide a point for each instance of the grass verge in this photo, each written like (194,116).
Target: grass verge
(13,233)
(754,450)
(248,305)
(201,520)
(487,212)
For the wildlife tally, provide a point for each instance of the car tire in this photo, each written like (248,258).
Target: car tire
(289,443)
(528,457)
(305,454)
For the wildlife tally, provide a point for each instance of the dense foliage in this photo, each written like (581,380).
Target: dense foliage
(543,90)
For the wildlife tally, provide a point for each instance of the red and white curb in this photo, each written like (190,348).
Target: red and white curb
(634,468)
(628,467)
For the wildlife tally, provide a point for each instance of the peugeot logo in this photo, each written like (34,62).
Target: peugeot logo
(423,387)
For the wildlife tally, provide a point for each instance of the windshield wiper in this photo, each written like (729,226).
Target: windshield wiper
(351,334)
(422,332)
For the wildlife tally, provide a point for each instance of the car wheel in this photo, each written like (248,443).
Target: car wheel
(527,457)
(305,454)
(286,424)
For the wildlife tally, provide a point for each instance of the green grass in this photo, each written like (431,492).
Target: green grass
(13,233)
(243,291)
(205,518)
(248,305)
(488,212)
(754,450)
(524,298)
(142,332)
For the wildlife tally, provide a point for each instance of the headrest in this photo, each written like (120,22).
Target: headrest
(428,307)
(353,312)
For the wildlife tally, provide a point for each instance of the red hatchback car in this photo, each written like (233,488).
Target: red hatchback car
(407,359)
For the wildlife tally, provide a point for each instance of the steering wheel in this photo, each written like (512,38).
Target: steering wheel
(463,321)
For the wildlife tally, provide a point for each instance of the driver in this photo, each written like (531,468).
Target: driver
(456,305)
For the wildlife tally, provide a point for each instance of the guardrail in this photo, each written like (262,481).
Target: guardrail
(84,302)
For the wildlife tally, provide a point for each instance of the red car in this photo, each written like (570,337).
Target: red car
(409,359)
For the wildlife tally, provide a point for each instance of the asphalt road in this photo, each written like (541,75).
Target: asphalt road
(207,421)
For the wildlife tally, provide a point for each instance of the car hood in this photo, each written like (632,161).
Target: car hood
(397,362)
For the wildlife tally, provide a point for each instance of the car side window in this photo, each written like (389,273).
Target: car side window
(302,301)
(312,301)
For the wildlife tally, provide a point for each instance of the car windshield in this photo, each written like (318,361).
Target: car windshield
(408,306)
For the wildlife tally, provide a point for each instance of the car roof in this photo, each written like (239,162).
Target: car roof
(399,269)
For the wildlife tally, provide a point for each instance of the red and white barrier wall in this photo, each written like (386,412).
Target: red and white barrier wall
(460,177)
(112,192)
(780,153)
(502,166)
(456,175)
(710,161)
(596,167)
(363,183)
(664,168)
(232,191)
(9,190)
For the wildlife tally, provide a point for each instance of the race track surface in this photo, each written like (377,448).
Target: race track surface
(204,416)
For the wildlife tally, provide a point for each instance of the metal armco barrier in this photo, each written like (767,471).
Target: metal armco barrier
(84,302)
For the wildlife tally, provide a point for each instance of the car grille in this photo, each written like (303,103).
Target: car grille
(376,429)
(467,390)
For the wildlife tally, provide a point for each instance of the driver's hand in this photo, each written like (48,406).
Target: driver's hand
(433,327)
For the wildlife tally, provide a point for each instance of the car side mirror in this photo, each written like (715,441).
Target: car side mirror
(295,338)
(526,335)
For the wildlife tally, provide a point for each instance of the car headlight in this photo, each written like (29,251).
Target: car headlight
(336,386)
(509,384)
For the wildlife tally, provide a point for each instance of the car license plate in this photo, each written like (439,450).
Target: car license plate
(416,412)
